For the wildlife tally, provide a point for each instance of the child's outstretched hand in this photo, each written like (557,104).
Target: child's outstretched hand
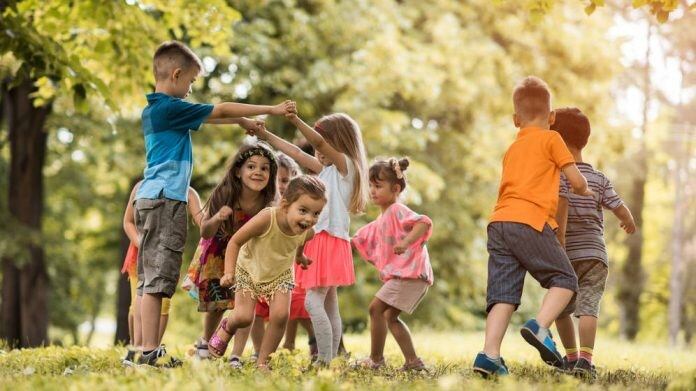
(400,248)
(284,108)
(227,280)
(629,227)
(251,125)
(224,213)
(303,261)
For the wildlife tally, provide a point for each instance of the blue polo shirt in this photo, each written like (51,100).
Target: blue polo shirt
(167,124)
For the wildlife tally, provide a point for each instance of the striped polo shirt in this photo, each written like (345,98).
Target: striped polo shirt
(167,124)
(585,228)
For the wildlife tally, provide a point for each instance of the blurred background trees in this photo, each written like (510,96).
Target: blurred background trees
(428,80)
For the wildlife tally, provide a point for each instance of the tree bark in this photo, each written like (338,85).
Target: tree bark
(633,279)
(25,284)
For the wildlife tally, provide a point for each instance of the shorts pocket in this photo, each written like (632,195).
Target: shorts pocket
(174,237)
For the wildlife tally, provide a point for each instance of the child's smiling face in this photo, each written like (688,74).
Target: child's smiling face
(303,213)
(255,173)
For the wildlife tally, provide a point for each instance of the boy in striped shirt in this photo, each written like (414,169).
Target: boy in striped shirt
(581,231)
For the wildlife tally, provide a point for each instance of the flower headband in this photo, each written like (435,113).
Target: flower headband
(256,151)
(397,169)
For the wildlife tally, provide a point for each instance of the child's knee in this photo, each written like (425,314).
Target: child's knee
(279,317)
(244,320)
(375,309)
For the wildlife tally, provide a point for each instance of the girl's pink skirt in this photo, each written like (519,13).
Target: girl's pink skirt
(332,263)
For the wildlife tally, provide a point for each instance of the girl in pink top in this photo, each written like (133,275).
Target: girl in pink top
(395,245)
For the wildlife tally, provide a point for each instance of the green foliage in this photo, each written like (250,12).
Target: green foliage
(636,367)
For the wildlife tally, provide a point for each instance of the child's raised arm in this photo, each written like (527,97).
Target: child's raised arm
(627,222)
(562,219)
(303,159)
(253,228)
(313,137)
(237,110)
(194,206)
(577,180)
(129,218)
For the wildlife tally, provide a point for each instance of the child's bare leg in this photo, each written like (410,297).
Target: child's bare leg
(307,325)
(378,329)
(290,335)
(566,331)
(588,331)
(242,315)
(151,306)
(164,320)
(401,334)
(137,323)
(240,340)
(496,325)
(257,331)
(211,320)
(554,303)
(279,312)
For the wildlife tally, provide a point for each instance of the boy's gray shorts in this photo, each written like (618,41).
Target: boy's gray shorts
(162,226)
(592,278)
(515,249)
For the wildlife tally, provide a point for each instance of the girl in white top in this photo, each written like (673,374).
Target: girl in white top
(341,164)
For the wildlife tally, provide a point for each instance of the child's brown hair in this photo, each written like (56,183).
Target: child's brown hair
(390,170)
(531,99)
(304,185)
(573,126)
(171,55)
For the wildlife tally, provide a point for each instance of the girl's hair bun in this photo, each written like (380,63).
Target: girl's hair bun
(404,163)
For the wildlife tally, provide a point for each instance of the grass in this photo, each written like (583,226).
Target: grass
(621,366)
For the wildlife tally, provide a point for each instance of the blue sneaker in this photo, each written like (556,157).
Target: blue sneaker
(545,346)
(487,367)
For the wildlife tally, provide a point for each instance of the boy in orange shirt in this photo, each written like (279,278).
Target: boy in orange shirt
(521,235)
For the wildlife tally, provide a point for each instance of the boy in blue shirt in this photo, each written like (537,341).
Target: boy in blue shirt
(160,202)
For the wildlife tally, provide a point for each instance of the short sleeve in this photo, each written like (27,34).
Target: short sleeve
(559,151)
(183,115)
(564,189)
(409,218)
(610,199)
(365,242)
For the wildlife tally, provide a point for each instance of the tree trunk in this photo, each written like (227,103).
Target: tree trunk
(632,271)
(25,285)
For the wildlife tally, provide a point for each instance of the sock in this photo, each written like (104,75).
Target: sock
(586,353)
(542,333)
(572,354)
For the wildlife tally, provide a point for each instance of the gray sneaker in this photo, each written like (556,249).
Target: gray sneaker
(159,358)
(236,362)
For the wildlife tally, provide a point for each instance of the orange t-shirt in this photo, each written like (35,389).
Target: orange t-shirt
(528,191)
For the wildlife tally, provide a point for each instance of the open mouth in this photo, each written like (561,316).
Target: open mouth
(303,226)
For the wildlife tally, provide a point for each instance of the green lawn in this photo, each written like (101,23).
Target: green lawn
(621,366)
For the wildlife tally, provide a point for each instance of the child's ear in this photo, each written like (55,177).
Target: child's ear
(552,117)
(177,73)
(284,204)
(396,188)
(515,120)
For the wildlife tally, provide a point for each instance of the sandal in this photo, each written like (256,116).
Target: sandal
(369,363)
(415,365)
(216,345)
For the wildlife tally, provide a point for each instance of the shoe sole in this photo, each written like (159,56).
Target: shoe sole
(544,352)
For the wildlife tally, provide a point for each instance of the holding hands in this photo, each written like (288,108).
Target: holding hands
(303,261)
(224,213)
(286,108)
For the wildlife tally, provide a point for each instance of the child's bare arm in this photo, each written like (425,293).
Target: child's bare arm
(210,224)
(194,206)
(237,110)
(248,124)
(577,180)
(253,228)
(419,229)
(626,218)
(300,258)
(293,151)
(562,219)
(129,219)
(318,142)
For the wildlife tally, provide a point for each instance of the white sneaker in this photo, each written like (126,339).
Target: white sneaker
(236,362)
